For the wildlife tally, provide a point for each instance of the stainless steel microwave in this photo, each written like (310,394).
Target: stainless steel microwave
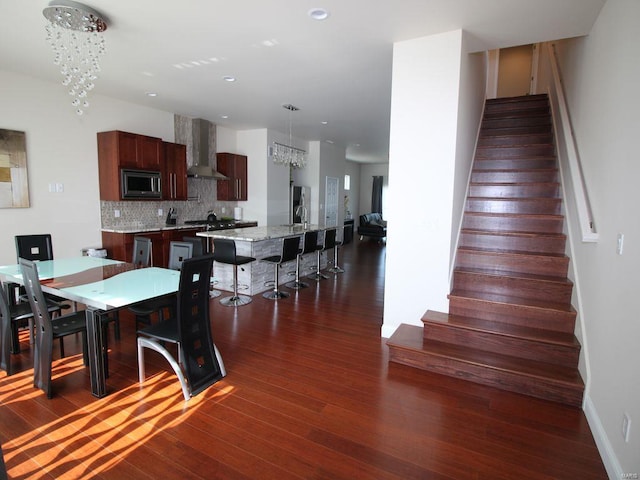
(141,184)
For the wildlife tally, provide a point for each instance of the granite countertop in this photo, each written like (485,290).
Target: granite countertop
(141,228)
(257,234)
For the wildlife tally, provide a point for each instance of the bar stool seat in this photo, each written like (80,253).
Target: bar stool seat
(224,251)
(290,249)
(309,245)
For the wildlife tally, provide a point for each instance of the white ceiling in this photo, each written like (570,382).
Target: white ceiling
(337,70)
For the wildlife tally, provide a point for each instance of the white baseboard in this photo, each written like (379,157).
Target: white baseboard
(609,458)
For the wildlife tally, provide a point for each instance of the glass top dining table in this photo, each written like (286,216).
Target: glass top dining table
(103,285)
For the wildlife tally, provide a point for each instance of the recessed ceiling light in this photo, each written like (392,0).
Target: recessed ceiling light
(224,116)
(318,14)
(152,94)
(324,122)
(229,78)
(329,141)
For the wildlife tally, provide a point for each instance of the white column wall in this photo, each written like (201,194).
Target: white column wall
(424,111)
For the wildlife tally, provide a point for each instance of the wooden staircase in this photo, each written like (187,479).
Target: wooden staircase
(510,323)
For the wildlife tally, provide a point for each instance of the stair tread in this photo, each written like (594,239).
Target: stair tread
(519,253)
(511,300)
(516,199)
(519,215)
(510,330)
(512,233)
(496,272)
(513,184)
(411,337)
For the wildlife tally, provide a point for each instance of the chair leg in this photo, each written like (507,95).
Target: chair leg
(318,275)
(275,294)
(297,284)
(148,343)
(235,300)
(336,268)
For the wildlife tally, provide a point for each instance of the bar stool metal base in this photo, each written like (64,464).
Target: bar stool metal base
(275,294)
(335,270)
(296,285)
(235,300)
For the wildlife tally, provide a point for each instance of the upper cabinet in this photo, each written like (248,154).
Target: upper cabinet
(123,150)
(235,167)
(175,172)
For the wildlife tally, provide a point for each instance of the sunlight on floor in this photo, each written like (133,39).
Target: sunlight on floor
(96,437)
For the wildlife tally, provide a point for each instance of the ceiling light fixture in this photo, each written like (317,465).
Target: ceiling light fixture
(229,78)
(288,155)
(74,32)
(318,14)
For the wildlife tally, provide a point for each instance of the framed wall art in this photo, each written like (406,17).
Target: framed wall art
(14,184)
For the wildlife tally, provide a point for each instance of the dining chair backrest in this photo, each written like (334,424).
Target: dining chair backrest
(198,246)
(310,241)
(224,250)
(5,331)
(142,251)
(290,249)
(194,325)
(44,330)
(34,247)
(179,252)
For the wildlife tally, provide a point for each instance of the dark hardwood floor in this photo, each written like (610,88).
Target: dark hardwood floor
(309,394)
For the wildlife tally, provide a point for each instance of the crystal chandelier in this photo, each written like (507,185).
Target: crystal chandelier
(289,155)
(74,32)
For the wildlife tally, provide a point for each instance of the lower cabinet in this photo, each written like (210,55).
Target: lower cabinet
(120,245)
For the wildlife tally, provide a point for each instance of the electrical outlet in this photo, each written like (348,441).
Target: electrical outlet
(160,212)
(626,427)
(116,213)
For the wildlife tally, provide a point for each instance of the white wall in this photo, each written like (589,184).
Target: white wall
(62,148)
(600,74)
(332,164)
(353,170)
(253,144)
(424,111)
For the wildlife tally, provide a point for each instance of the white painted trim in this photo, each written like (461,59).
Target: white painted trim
(609,458)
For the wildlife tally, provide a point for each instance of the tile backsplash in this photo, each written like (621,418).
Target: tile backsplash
(202,199)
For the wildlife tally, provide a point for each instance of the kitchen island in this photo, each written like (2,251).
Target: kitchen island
(260,242)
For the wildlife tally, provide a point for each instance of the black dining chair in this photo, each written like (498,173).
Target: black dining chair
(12,317)
(199,363)
(47,328)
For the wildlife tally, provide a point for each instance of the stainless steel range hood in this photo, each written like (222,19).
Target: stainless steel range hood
(199,137)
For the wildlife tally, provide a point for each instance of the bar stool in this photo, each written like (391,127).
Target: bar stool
(347,236)
(224,251)
(328,243)
(290,248)
(310,244)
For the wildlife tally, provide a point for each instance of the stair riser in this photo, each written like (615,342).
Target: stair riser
(515,164)
(529,224)
(542,206)
(528,349)
(536,387)
(524,316)
(534,264)
(514,176)
(521,139)
(512,112)
(546,190)
(530,103)
(508,122)
(521,151)
(486,131)
(521,243)
(533,289)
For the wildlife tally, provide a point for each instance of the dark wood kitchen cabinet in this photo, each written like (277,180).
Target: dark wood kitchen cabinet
(174,177)
(118,150)
(235,167)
